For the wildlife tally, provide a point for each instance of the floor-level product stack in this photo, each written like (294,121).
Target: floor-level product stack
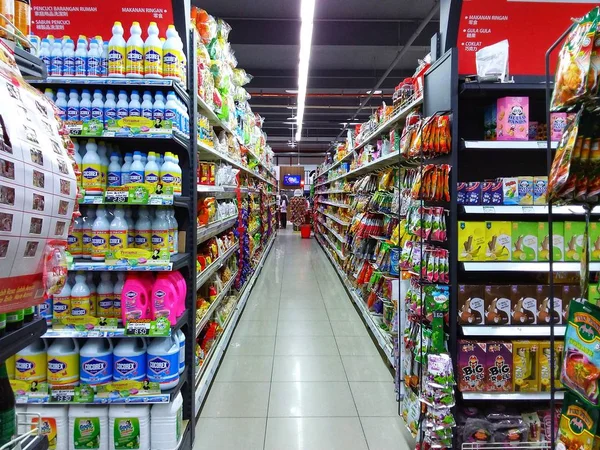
(235,229)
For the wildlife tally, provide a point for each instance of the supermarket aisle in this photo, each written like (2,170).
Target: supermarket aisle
(301,372)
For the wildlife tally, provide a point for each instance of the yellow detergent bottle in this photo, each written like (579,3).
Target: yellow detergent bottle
(63,363)
(30,363)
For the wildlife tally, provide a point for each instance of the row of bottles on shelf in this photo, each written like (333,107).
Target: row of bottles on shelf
(98,173)
(64,363)
(88,106)
(94,234)
(134,58)
(13,320)
(132,296)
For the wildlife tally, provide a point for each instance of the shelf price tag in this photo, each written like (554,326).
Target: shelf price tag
(528,209)
(62,395)
(138,327)
(489,209)
(116,196)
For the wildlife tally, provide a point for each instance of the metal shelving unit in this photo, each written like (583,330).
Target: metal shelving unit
(17,340)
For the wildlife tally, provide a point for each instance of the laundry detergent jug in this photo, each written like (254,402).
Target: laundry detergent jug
(135,298)
(31,362)
(63,363)
(163,362)
(129,357)
(129,427)
(88,427)
(96,362)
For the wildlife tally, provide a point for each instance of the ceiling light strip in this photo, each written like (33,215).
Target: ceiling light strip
(307,13)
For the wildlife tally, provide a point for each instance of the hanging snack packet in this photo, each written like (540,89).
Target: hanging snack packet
(578,425)
(560,171)
(581,365)
(571,79)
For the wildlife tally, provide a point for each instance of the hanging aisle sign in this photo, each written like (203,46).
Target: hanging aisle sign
(526,25)
(96,17)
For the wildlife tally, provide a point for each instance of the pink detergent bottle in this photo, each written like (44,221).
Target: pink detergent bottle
(165,298)
(181,292)
(135,298)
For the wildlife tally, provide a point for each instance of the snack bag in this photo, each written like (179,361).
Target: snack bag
(577,426)
(572,72)
(560,171)
(581,364)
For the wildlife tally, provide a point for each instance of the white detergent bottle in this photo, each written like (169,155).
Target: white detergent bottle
(91,284)
(94,59)
(114,171)
(166,424)
(171,109)
(98,107)
(130,228)
(85,106)
(102,150)
(178,175)
(171,56)
(160,232)
(151,170)
(172,232)
(61,303)
(75,239)
(73,105)
(118,231)
(122,105)
(80,297)
(135,107)
(88,427)
(125,169)
(100,235)
(130,360)
(110,107)
(56,60)
(104,59)
(81,56)
(143,230)
(147,105)
(63,363)
(153,53)
(163,362)
(88,221)
(181,338)
(144,158)
(106,289)
(158,108)
(129,426)
(91,170)
(96,362)
(176,231)
(69,58)
(137,170)
(118,290)
(135,52)
(168,172)
(49,94)
(78,161)
(117,52)
(61,103)
(54,424)
(45,51)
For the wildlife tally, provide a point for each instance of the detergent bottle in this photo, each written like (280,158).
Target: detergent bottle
(160,232)
(69,58)
(163,362)
(81,57)
(135,107)
(171,109)
(129,426)
(143,230)
(135,298)
(56,60)
(54,424)
(117,52)
(105,296)
(88,221)
(153,53)
(91,171)
(164,298)
(130,228)
(98,107)
(110,107)
(61,303)
(181,285)
(178,180)
(171,213)
(118,290)
(168,173)
(151,170)
(114,171)
(135,52)
(63,363)
(80,296)
(104,162)
(118,231)
(61,103)
(73,106)
(166,424)
(96,362)
(147,106)
(122,105)
(31,362)
(137,170)
(126,169)
(181,339)
(85,106)
(45,51)
(88,427)
(75,239)
(89,278)
(94,59)
(100,235)
(158,107)
(130,360)
(104,59)
(171,56)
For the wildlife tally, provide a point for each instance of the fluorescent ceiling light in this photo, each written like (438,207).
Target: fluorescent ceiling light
(290,107)
(377,92)
(307,13)
(349,123)
(291,91)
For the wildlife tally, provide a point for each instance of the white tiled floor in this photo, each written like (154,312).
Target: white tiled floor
(301,372)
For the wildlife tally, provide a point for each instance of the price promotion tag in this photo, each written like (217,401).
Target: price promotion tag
(489,210)
(138,328)
(528,209)
(116,196)
(62,395)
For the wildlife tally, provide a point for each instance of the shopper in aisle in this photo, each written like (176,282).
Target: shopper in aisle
(283,202)
(298,206)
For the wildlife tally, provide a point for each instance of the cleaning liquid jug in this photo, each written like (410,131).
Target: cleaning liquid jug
(31,362)
(135,298)
(163,362)
(166,424)
(88,427)
(96,362)
(129,426)
(164,298)
(54,424)
(130,360)
(63,363)
(80,297)
(105,296)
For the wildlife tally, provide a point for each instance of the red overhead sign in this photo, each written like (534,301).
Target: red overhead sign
(96,17)
(531,27)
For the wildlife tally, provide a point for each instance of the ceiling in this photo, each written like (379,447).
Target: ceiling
(354,42)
